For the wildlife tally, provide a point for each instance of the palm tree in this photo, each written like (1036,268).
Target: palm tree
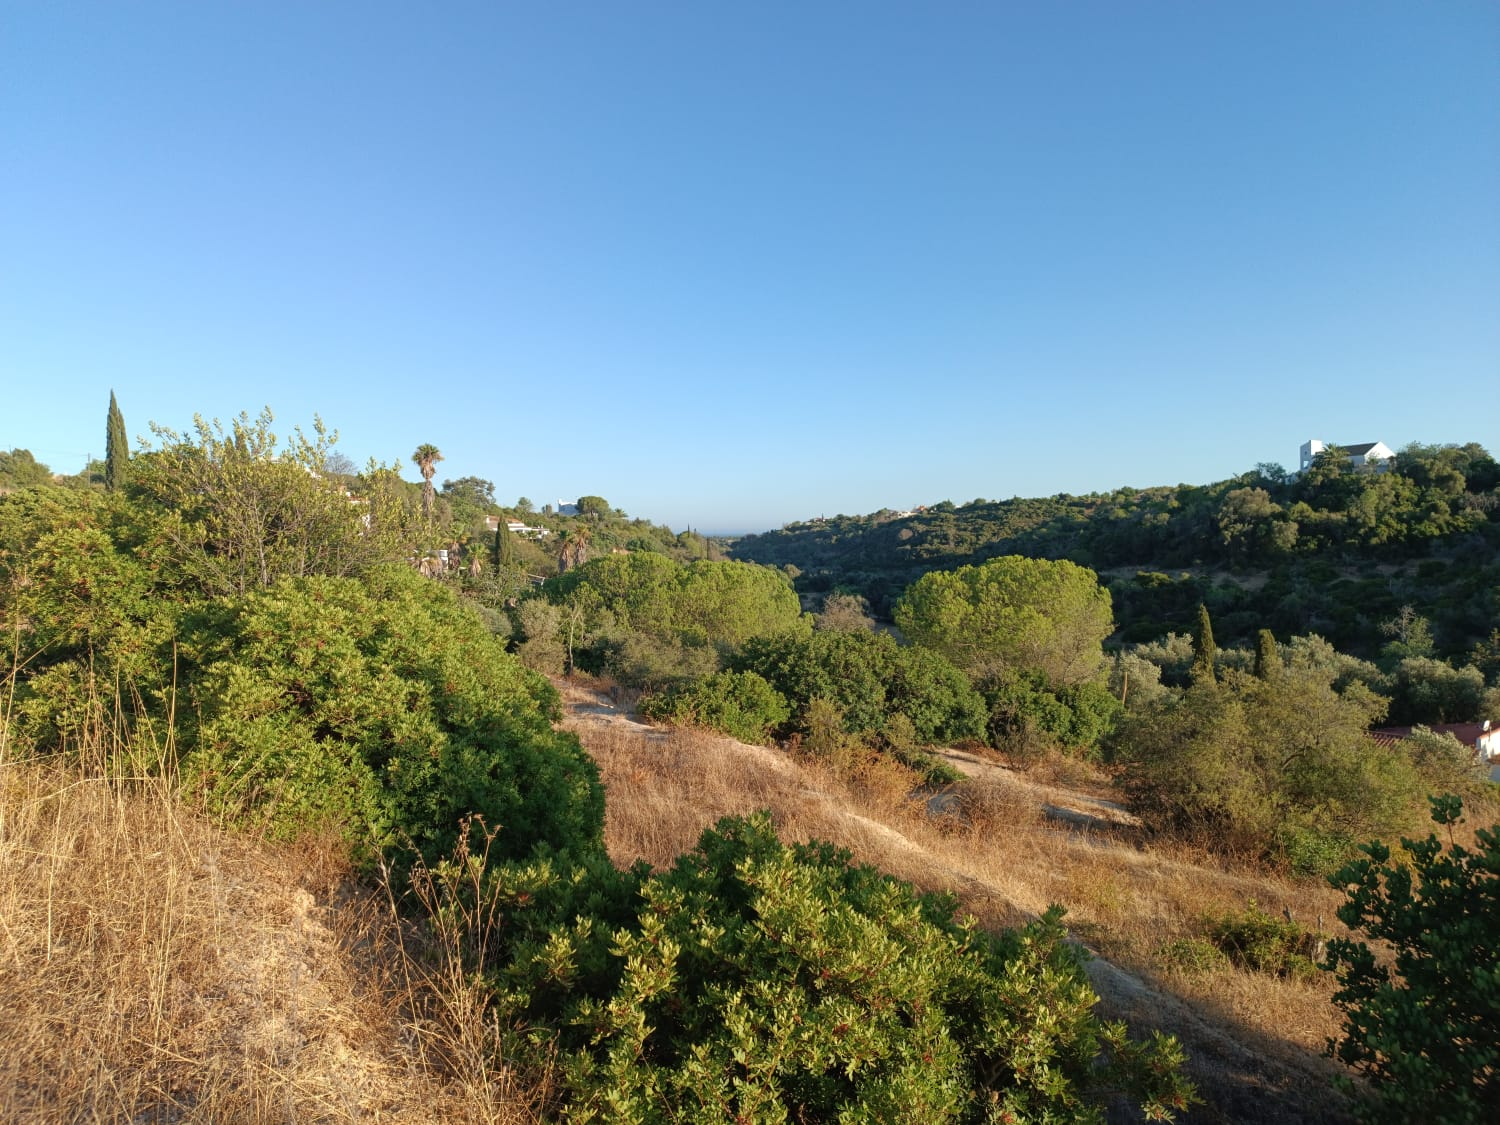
(582,538)
(426,458)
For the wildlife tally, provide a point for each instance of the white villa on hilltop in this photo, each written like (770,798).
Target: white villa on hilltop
(1366,453)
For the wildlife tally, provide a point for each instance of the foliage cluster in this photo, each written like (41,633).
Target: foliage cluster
(1267,767)
(756,982)
(236,593)
(19,469)
(384,707)
(871,679)
(1260,942)
(739,704)
(1418,690)
(1423,1027)
(1012,615)
(651,622)
(1325,541)
(722,604)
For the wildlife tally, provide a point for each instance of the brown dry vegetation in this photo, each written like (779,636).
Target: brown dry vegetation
(156,968)
(1008,846)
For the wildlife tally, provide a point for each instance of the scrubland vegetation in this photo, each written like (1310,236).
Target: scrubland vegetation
(338,825)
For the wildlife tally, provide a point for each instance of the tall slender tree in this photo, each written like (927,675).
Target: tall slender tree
(505,547)
(1267,656)
(426,458)
(1205,652)
(116,447)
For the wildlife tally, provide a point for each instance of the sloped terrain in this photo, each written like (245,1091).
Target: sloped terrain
(156,969)
(1006,844)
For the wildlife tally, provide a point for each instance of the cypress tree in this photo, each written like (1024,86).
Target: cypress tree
(116,447)
(505,549)
(1267,656)
(1204,651)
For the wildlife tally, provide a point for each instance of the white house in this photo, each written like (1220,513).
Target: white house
(517,528)
(525,531)
(1366,453)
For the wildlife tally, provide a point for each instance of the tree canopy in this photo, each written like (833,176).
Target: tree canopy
(19,469)
(1012,615)
(720,603)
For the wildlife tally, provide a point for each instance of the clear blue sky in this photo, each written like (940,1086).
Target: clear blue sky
(731,264)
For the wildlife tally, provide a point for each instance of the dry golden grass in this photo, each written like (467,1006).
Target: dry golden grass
(155,968)
(1255,1042)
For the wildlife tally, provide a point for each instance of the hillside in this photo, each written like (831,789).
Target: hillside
(156,967)
(197,975)
(1335,550)
(288,805)
(1008,844)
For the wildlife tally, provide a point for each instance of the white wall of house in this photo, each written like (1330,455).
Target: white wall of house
(1379,451)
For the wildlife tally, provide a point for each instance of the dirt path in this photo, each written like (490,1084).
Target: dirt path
(1248,1085)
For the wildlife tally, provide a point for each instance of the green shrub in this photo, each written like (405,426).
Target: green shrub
(757,982)
(1192,955)
(1266,766)
(1077,716)
(870,678)
(1311,853)
(740,704)
(1257,941)
(1424,1029)
(385,708)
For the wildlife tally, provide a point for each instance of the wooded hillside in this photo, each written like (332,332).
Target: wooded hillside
(1335,550)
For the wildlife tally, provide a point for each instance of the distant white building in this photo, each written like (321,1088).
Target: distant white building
(566,509)
(525,531)
(517,528)
(1366,453)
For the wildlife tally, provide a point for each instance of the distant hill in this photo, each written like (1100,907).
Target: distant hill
(1337,549)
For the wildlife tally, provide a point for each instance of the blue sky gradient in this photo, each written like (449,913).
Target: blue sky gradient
(730,265)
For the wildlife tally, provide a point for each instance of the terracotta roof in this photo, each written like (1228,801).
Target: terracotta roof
(1467,733)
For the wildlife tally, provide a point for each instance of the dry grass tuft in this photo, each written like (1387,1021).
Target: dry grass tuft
(156,968)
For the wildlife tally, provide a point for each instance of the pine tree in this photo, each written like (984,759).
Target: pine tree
(116,447)
(1267,656)
(1205,653)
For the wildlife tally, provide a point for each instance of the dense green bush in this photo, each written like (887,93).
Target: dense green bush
(1430,691)
(1424,1029)
(384,707)
(1077,716)
(869,677)
(1255,940)
(740,704)
(1254,764)
(1192,955)
(756,982)
(1310,852)
(377,704)
(718,603)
